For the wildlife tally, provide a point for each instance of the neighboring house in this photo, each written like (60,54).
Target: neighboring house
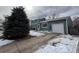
(1,28)
(1,25)
(57,25)
(75,29)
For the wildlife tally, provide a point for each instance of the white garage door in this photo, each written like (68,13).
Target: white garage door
(58,28)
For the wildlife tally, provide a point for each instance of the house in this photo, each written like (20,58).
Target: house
(57,25)
(1,25)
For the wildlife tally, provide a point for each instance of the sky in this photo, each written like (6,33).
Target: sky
(35,12)
(5,10)
(39,12)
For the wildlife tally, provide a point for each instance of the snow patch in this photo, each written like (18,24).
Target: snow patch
(34,33)
(4,42)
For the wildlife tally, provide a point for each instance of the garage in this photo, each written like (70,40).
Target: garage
(58,28)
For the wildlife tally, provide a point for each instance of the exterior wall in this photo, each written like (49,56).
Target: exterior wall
(36,23)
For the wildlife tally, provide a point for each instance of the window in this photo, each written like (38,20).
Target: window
(44,25)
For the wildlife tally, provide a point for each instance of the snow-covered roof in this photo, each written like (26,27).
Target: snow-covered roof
(56,19)
(60,18)
(48,20)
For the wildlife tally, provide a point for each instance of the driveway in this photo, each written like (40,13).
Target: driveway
(27,45)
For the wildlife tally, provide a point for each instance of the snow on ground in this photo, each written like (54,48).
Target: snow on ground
(34,33)
(61,44)
(4,42)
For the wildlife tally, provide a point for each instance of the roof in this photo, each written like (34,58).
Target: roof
(61,18)
(56,19)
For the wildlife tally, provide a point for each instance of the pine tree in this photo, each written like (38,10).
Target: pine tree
(16,25)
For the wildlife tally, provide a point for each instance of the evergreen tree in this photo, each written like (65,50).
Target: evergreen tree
(16,25)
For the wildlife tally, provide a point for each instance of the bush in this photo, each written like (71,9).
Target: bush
(16,25)
(74,31)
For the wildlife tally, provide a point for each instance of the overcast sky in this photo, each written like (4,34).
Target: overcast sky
(42,11)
